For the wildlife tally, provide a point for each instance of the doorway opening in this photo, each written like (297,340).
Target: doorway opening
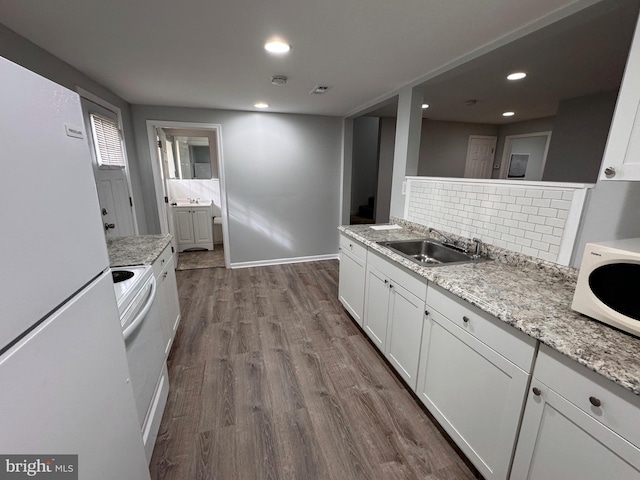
(524,156)
(188,170)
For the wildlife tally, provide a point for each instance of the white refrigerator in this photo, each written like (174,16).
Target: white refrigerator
(64,379)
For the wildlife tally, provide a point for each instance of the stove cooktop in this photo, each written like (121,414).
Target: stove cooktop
(127,282)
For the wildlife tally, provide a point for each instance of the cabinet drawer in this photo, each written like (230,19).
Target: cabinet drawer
(400,275)
(516,346)
(350,245)
(162,261)
(619,408)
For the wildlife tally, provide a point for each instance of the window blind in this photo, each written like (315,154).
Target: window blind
(106,137)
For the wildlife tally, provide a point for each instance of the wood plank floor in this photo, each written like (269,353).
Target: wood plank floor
(271,379)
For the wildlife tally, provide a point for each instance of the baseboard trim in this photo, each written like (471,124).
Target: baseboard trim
(283,261)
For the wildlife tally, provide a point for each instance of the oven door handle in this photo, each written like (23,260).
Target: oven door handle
(126,333)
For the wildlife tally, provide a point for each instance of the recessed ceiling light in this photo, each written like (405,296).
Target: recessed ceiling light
(425,105)
(516,76)
(508,114)
(277,46)
(261,105)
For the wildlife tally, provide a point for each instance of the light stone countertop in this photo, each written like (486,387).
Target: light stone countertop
(136,250)
(532,296)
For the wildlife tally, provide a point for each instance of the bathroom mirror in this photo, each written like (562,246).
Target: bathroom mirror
(574,69)
(191,158)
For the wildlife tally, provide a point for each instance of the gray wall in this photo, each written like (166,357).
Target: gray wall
(519,128)
(21,51)
(580,133)
(443,146)
(612,212)
(282,177)
(364,173)
(386,148)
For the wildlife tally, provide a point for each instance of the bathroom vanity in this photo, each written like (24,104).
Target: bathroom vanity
(193,226)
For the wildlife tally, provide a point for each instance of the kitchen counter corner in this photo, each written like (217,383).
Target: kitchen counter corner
(136,250)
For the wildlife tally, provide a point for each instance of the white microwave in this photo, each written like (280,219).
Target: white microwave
(608,287)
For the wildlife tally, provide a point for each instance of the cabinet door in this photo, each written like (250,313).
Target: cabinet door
(184,226)
(351,284)
(168,293)
(558,440)
(376,307)
(202,226)
(622,154)
(404,332)
(475,394)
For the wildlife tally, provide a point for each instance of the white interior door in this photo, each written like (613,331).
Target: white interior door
(167,171)
(480,155)
(114,195)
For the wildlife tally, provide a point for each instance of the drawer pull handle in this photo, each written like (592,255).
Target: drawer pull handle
(426,312)
(465,319)
(536,391)
(391,286)
(386,281)
(350,245)
(595,401)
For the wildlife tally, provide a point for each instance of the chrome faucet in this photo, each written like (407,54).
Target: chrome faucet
(446,239)
(478,243)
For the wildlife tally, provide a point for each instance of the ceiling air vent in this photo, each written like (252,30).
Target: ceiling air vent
(279,80)
(319,89)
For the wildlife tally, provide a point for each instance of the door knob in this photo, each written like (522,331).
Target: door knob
(104,212)
(107,226)
(610,172)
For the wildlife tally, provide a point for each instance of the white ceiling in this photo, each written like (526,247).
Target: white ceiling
(582,54)
(200,53)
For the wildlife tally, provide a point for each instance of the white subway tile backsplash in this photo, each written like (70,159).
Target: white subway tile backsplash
(543,229)
(527,219)
(555,194)
(541,202)
(561,204)
(548,212)
(533,193)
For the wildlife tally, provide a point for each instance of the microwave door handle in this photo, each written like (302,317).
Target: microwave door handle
(140,317)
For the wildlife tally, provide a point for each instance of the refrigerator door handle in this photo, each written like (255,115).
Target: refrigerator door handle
(126,333)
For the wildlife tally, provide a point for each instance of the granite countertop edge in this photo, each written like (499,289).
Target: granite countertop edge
(136,250)
(533,300)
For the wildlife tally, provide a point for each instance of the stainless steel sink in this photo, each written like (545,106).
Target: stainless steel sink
(430,253)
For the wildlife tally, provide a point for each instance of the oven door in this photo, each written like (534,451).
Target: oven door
(144,342)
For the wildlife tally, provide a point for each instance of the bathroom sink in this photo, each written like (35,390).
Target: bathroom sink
(429,253)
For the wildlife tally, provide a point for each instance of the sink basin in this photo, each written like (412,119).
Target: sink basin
(429,253)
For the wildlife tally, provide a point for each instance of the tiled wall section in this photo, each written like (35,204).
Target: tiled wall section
(202,189)
(526,219)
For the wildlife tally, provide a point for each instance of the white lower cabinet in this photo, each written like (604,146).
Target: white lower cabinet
(353,264)
(394,315)
(164,271)
(474,373)
(577,425)
(194,227)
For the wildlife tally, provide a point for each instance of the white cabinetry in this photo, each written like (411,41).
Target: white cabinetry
(577,424)
(622,155)
(353,261)
(474,371)
(164,271)
(393,317)
(194,227)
